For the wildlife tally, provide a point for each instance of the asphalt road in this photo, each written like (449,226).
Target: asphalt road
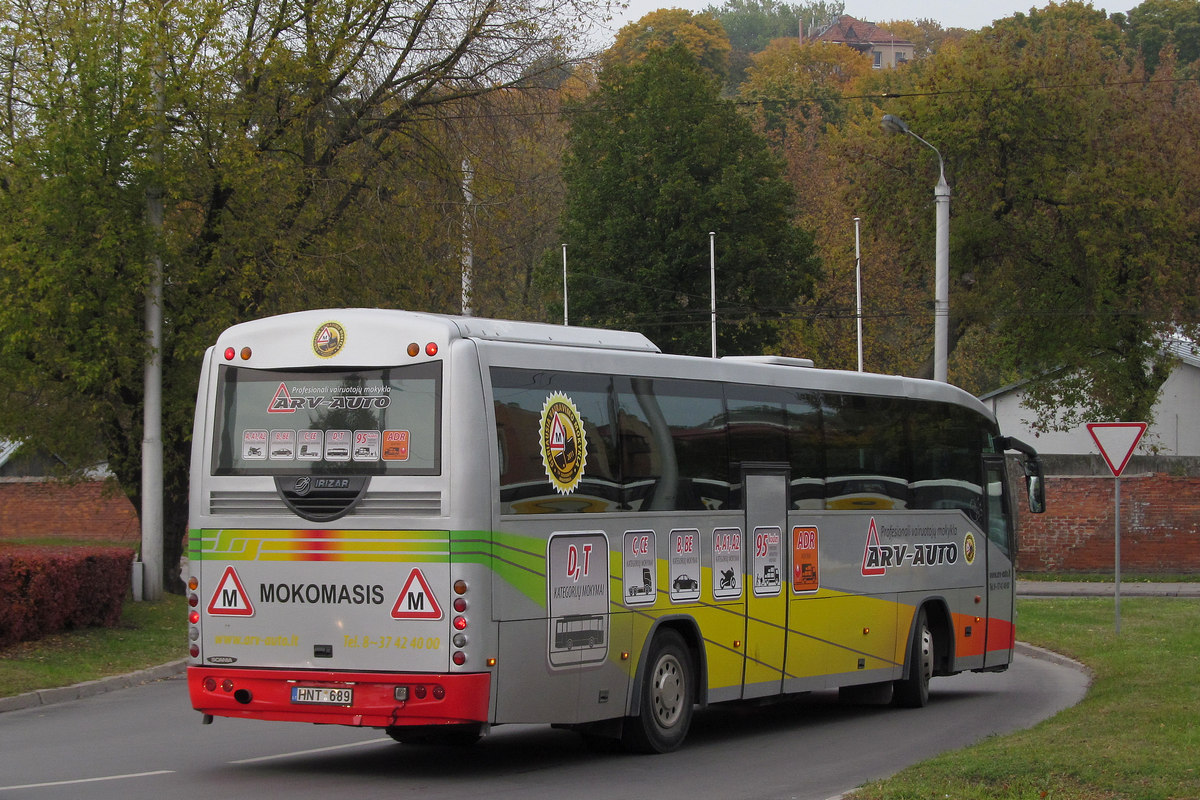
(146,741)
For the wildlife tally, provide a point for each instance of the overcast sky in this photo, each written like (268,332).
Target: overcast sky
(972,14)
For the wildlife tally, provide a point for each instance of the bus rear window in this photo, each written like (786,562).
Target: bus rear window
(357,422)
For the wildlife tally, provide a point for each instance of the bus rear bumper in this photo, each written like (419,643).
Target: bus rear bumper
(375,699)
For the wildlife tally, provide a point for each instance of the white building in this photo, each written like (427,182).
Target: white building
(1174,432)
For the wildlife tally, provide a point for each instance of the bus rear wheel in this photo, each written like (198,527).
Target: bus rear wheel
(667,698)
(913,691)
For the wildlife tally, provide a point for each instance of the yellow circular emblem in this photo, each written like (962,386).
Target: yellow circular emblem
(329,339)
(564,446)
(969,547)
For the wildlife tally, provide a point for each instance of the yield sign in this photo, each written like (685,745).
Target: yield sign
(230,599)
(1116,441)
(416,600)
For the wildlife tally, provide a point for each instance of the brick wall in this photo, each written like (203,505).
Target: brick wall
(1160,525)
(88,510)
(1160,520)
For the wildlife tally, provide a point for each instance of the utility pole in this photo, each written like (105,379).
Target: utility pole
(152,445)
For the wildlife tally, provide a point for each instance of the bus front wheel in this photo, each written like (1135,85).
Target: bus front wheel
(667,696)
(912,691)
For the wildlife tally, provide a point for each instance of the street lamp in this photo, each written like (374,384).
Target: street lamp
(941,284)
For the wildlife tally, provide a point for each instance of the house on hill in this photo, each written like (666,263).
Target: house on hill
(885,48)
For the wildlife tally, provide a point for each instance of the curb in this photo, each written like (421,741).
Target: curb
(1042,654)
(64,694)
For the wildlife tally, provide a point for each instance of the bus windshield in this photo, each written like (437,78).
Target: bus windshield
(358,422)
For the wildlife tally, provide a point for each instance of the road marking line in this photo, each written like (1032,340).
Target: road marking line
(309,752)
(87,780)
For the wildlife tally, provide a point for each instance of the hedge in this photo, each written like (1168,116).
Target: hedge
(44,590)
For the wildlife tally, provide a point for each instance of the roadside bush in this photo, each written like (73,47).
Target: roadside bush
(45,590)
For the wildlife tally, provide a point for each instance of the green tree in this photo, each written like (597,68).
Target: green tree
(656,161)
(1070,251)
(1155,24)
(753,24)
(307,161)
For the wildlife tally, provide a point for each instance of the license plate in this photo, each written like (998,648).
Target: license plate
(322,695)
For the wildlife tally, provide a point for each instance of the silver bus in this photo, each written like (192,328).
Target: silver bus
(433,525)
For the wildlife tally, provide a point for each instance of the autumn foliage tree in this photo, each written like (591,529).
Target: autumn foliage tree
(306,161)
(1068,174)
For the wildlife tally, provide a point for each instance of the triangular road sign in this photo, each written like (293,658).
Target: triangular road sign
(230,599)
(1117,441)
(416,600)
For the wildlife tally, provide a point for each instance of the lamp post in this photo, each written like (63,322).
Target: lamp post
(941,284)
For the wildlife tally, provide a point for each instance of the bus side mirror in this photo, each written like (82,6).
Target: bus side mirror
(1035,486)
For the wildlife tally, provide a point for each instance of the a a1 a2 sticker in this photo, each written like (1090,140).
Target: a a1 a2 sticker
(230,598)
(563,444)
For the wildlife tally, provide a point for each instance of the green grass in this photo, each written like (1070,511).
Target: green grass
(148,634)
(1135,736)
(1107,577)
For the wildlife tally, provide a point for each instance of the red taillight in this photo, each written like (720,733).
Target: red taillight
(460,623)
(210,684)
(439,692)
(193,616)
(459,658)
(431,349)
(230,353)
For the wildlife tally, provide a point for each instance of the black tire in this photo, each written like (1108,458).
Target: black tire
(436,735)
(912,691)
(667,698)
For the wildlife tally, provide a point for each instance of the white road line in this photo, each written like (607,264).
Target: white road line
(87,780)
(310,752)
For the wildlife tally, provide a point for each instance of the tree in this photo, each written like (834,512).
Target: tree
(656,161)
(700,34)
(927,35)
(791,77)
(1155,24)
(1069,253)
(306,163)
(753,24)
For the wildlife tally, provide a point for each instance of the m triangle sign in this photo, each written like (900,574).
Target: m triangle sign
(1117,441)
(230,598)
(416,600)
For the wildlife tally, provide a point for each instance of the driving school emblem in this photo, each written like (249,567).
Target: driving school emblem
(564,447)
(329,339)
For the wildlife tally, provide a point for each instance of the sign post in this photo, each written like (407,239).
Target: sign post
(1117,441)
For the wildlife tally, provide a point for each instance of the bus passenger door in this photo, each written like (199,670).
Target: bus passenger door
(766,499)
(1000,549)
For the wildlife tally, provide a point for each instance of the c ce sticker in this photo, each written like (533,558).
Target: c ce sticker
(329,339)
(563,444)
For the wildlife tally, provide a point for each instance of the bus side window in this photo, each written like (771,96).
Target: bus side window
(866,452)
(947,448)
(673,437)
(518,399)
